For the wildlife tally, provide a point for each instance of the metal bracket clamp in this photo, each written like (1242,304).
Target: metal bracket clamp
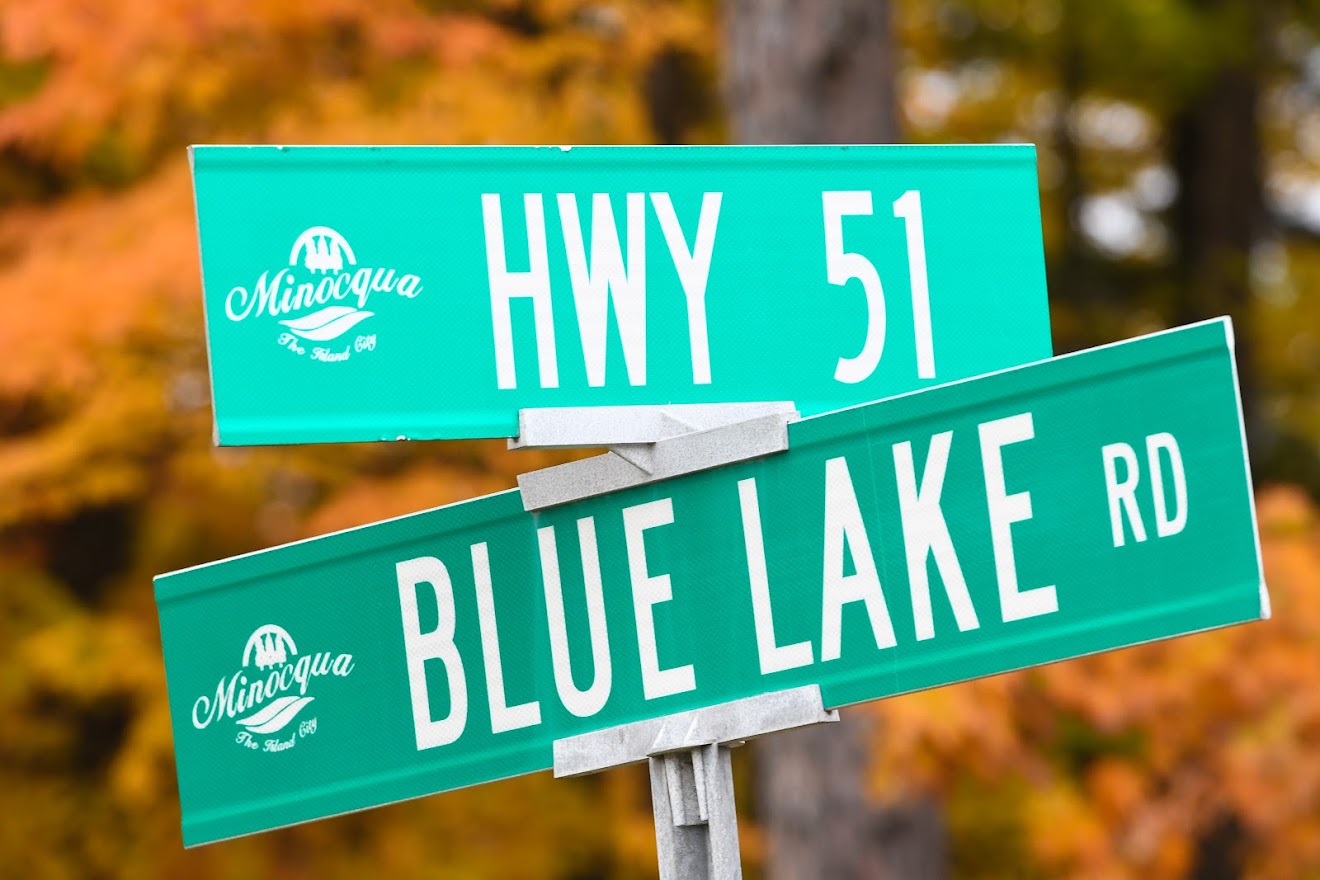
(682,439)
(564,427)
(696,825)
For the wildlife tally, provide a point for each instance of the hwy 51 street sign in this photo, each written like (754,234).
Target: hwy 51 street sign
(1074,505)
(360,293)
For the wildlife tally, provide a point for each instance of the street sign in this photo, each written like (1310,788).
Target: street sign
(360,293)
(1074,505)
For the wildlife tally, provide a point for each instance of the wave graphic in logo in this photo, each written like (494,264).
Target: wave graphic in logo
(276,715)
(327,323)
(323,250)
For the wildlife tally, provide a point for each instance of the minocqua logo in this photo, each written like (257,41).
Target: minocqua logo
(271,688)
(323,292)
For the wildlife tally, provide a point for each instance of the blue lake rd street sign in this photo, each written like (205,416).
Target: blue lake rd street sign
(369,293)
(1075,505)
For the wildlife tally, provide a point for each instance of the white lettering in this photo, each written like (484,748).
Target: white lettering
(213,709)
(1166,525)
(262,299)
(843,523)
(582,703)
(908,208)
(693,271)
(773,657)
(1122,495)
(843,266)
(302,673)
(925,532)
(504,285)
(502,716)
(1005,510)
(437,644)
(409,286)
(360,285)
(606,276)
(647,592)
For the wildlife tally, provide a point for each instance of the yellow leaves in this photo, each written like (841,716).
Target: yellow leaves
(86,699)
(1064,834)
(87,656)
(1107,827)
(1113,766)
(92,458)
(103,395)
(143,772)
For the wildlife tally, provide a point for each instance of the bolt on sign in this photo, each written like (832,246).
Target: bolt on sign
(362,293)
(1074,505)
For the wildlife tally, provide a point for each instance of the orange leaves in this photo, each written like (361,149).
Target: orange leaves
(102,361)
(1112,766)
(421,488)
(1133,759)
(103,394)
(111,88)
(92,275)
(135,67)
(925,731)
(100,318)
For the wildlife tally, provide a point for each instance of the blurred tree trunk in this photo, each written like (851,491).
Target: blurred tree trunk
(1217,156)
(819,72)
(1215,145)
(819,823)
(823,72)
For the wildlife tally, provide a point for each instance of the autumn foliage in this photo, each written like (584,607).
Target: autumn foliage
(1140,763)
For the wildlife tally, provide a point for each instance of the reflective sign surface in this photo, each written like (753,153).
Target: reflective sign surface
(357,293)
(1083,503)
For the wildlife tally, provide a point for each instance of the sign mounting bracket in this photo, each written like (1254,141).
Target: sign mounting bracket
(647,443)
(696,826)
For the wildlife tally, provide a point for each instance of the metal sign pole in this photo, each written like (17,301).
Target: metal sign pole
(696,825)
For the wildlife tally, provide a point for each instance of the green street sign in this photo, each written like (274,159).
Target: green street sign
(1074,505)
(360,293)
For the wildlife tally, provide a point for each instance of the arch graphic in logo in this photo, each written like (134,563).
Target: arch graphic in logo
(324,250)
(269,691)
(272,646)
(320,296)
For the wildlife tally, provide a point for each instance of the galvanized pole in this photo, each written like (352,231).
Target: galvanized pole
(696,824)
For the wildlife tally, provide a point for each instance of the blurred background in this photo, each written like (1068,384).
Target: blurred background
(1179,163)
